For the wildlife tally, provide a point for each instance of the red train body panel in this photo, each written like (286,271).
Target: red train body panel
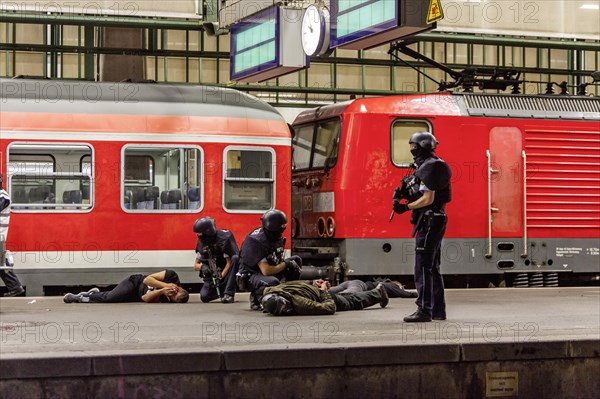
(544,185)
(230,148)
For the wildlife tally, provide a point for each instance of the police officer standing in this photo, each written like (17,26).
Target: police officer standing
(429,219)
(261,257)
(9,277)
(216,260)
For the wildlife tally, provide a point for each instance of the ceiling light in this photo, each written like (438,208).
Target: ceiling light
(590,7)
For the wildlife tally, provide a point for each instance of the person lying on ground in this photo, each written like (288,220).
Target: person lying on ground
(163,286)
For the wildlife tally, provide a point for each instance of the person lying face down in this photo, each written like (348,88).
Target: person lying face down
(159,287)
(305,298)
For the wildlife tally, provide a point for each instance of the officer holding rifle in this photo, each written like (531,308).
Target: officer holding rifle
(216,260)
(426,193)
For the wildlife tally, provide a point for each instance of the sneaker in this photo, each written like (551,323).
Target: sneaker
(418,317)
(90,292)
(227,299)
(15,292)
(70,298)
(384,296)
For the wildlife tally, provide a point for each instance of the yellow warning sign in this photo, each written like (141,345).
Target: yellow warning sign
(435,12)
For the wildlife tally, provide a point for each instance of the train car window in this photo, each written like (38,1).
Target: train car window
(301,146)
(316,146)
(51,177)
(161,178)
(248,181)
(402,129)
(326,143)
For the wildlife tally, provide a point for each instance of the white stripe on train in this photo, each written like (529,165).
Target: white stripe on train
(144,137)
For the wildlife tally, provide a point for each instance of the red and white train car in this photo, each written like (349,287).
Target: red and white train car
(526,183)
(107,178)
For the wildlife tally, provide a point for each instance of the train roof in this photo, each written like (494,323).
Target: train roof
(79,97)
(465,104)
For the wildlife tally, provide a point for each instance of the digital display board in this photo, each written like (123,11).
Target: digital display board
(254,44)
(267,45)
(355,19)
(362,24)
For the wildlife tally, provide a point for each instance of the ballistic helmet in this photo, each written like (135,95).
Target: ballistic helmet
(277,305)
(274,221)
(205,226)
(424,140)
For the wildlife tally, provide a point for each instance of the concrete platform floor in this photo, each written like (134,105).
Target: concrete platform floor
(42,337)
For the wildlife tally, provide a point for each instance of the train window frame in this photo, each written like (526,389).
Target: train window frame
(326,163)
(37,150)
(226,179)
(310,152)
(149,146)
(399,120)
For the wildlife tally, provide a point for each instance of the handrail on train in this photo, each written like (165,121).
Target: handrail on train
(524,156)
(490,209)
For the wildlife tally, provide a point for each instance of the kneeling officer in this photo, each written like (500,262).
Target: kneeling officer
(217,261)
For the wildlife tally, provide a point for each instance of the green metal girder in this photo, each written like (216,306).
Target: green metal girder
(225,55)
(568,44)
(100,20)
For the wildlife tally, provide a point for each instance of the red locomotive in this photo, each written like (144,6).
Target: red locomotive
(526,184)
(107,179)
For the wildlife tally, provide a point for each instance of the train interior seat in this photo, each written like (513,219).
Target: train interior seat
(170,199)
(164,200)
(139,198)
(194,197)
(20,196)
(175,198)
(151,197)
(72,197)
(127,199)
(85,194)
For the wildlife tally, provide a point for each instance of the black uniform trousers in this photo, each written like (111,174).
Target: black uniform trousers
(258,282)
(127,290)
(226,286)
(428,278)
(356,301)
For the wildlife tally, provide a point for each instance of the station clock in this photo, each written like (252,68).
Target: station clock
(315,30)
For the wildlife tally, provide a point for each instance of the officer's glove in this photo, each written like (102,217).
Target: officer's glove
(292,265)
(400,208)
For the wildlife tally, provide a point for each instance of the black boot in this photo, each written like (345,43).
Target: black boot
(372,297)
(384,296)
(418,317)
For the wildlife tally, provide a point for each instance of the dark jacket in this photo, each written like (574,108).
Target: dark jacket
(306,298)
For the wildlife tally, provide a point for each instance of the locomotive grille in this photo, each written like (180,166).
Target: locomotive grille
(563,179)
(520,106)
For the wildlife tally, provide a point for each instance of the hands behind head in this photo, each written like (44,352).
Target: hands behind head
(171,290)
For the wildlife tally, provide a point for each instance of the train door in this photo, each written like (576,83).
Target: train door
(506,187)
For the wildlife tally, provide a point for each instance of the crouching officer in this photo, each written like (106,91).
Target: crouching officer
(261,257)
(216,260)
(429,219)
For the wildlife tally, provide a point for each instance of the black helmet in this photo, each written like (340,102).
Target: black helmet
(425,140)
(205,226)
(274,221)
(277,305)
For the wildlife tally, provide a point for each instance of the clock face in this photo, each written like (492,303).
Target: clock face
(313,30)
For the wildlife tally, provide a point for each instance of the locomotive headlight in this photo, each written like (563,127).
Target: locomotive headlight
(330,228)
(321,230)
